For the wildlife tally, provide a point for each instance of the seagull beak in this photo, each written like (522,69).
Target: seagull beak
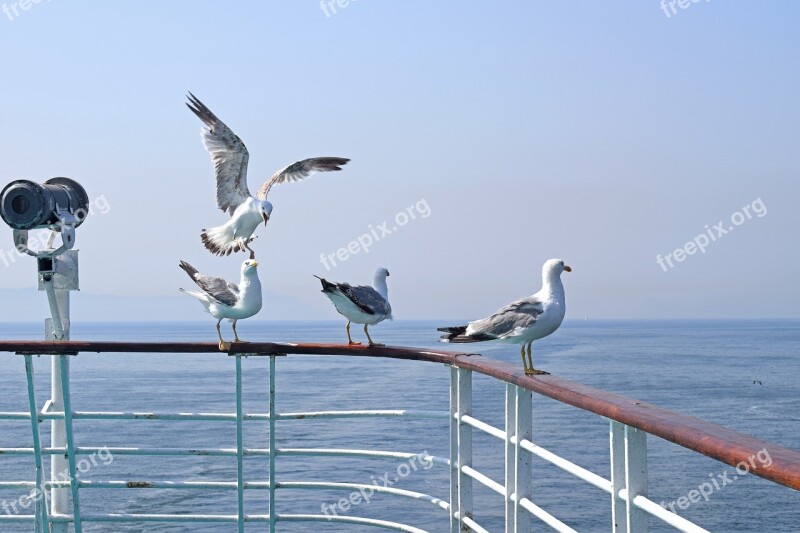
(567,268)
(254,263)
(265,217)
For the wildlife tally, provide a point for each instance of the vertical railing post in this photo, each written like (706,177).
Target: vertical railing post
(510,458)
(617,445)
(59,498)
(524,430)
(70,442)
(454,510)
(42,523)
(239,446)
(636,477)
(464,447)
(273,450)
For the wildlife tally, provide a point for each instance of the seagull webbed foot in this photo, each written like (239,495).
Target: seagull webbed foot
(535,372)
(376,344)
(224,346)
(353,343)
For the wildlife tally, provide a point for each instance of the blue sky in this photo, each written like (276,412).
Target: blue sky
(602,133)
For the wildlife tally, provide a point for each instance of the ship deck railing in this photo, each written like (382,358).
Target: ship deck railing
(630,422)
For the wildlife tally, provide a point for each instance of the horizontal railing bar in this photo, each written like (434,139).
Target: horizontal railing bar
(410,413)
(677,521)
(544,516)
(83,450)
(128,517)
(349,520)
(119,415)
(483,426)
(318,485)
(473,525)
(715,441)
(568,466)
(484,480)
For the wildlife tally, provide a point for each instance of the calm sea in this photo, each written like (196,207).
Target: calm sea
(742,374)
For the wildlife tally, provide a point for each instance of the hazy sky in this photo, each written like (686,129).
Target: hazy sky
(604,133)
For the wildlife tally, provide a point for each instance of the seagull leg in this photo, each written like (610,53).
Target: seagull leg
(370,338)
(245,245)
(530,370)
(524,361)
(350,340)
(223,346)
(235,333)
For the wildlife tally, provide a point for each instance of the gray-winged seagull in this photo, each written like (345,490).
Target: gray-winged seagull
(224,299)
(230,157)
(361,304)
(522,321)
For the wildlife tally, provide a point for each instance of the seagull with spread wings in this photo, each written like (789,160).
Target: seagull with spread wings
(522,321)
(230,157)
(224,299)
(361,304)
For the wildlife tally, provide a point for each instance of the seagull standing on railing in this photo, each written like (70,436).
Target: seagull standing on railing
(361,304)
(224,299)
(522,321)
(230,157)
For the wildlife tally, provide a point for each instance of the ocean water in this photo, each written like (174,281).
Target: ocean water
(742,374)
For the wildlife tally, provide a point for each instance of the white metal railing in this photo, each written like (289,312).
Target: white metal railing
(631,510)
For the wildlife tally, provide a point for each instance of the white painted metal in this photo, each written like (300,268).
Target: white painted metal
(273,450)
(455,526)
(464,447)
(510,458)
(627,445)
(58,330)
(636,478)
(522,461)
(616,438)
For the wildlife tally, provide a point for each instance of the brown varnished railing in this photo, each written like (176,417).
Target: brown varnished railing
(712,440)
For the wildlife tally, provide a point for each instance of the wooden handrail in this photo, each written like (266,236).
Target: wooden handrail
(715,441)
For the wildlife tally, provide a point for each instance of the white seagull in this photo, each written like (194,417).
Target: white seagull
(522,321)
(230,157)
(224,299)
(361,304)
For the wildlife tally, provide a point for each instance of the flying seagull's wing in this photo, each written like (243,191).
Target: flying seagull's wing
(229,155)
(300,170)
(222,291)
(517,315)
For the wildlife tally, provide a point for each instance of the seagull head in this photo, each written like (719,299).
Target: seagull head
(266,210)
(553,268)
(249,266)
(382,273)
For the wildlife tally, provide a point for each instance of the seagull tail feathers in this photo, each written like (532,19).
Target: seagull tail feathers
(327,286)
(458,334)
(219,241)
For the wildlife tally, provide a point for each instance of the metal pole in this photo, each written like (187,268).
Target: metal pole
(239,446)
(59,465)
(273,450)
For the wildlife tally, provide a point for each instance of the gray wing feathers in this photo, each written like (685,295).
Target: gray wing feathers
(366,298)
(518,314)
(300,170)
(221,290)
(229,155)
